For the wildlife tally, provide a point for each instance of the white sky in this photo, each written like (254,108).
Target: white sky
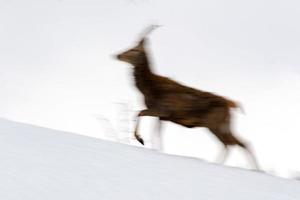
(57,70)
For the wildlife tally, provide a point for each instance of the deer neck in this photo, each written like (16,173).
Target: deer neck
(143,75)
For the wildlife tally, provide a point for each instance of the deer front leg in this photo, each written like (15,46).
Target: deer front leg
(147,112)
(136,134)
(157,142)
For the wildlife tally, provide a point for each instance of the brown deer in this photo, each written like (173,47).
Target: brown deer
(170,101)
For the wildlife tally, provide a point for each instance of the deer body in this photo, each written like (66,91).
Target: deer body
(169,100)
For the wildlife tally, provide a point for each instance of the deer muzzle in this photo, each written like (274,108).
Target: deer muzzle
(118,56)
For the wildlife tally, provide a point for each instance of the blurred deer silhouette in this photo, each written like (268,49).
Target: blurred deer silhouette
(170,101)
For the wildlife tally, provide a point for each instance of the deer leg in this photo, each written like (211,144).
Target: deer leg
(152,113)
(223,155)
(224,134)
(136,134)
(157,142)
(235,141)
(251,157)
(221,135)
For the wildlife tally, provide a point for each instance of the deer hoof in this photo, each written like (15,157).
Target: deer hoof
(141,141)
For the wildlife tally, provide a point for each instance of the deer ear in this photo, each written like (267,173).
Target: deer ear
(142,43)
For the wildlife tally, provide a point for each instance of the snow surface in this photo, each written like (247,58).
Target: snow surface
(39,163)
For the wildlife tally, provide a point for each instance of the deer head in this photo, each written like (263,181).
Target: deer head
(136,54)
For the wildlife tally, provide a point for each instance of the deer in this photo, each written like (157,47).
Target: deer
(168,100)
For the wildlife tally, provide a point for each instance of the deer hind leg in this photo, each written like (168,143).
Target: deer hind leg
(223,155)
(225,135)
(251,157)
(235,141)
(150,113)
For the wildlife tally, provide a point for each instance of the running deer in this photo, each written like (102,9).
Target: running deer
(170,101)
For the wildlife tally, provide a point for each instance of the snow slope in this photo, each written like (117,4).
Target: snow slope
(38,163)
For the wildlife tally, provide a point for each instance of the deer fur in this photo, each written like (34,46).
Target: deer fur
(171,101)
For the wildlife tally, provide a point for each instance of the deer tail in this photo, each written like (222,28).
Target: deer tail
(234,104)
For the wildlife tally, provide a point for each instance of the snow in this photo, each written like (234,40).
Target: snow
(39,163)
